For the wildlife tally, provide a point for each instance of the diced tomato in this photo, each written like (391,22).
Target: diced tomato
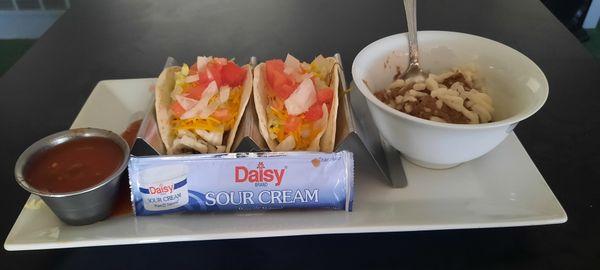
(215,72)
(203,77)
(274,70)
(177,109)
(232,74)
(278,79)
(292,124)
(222,115)
(286,90)
(196,89)
(194,69)
(315,112)
(325,95)
(280,83)
(274,65)
(282,86)
(220,60)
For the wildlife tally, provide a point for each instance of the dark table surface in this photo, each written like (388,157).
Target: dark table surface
(109,39)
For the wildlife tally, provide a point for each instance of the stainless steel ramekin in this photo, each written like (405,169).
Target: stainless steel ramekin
(79,207)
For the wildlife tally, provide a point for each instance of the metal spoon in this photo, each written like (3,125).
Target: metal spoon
(413,69)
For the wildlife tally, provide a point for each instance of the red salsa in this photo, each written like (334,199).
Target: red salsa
(131,132)
(123,203)
(74,165)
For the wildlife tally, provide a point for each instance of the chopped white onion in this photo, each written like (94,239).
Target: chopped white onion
(212,137)
(287,144)
(186,102)
(201,62)
(292,65)
(224,93)
(176,92)
(208,93)
(220,60)
(302,98)
(299,77)
(183,143)
(184,132)
(210,109)
(192,78)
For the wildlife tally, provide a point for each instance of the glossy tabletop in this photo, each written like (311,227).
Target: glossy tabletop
(112,39)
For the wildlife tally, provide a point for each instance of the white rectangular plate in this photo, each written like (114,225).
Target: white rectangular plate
(501,189)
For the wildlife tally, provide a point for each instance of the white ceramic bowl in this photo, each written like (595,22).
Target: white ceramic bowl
(517,86)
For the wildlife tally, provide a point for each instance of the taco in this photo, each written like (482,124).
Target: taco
(199,107)
(297,103)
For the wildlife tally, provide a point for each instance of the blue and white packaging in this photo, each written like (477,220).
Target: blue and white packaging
(241,181)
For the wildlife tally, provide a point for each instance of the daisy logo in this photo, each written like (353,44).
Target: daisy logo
(260,175)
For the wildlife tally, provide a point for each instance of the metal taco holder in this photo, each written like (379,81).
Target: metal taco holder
(357,135)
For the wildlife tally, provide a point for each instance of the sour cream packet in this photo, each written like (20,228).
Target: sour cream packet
(241,181)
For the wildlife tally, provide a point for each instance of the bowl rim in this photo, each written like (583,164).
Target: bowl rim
(365,91)
(70,134)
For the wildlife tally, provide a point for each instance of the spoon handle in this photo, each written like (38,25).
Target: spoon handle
(410,7)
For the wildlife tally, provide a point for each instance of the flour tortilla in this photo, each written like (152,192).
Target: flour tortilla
(178,144)
(325,139)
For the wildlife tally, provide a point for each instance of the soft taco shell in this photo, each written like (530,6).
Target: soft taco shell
(328,140)
(325,140)
(164,86)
